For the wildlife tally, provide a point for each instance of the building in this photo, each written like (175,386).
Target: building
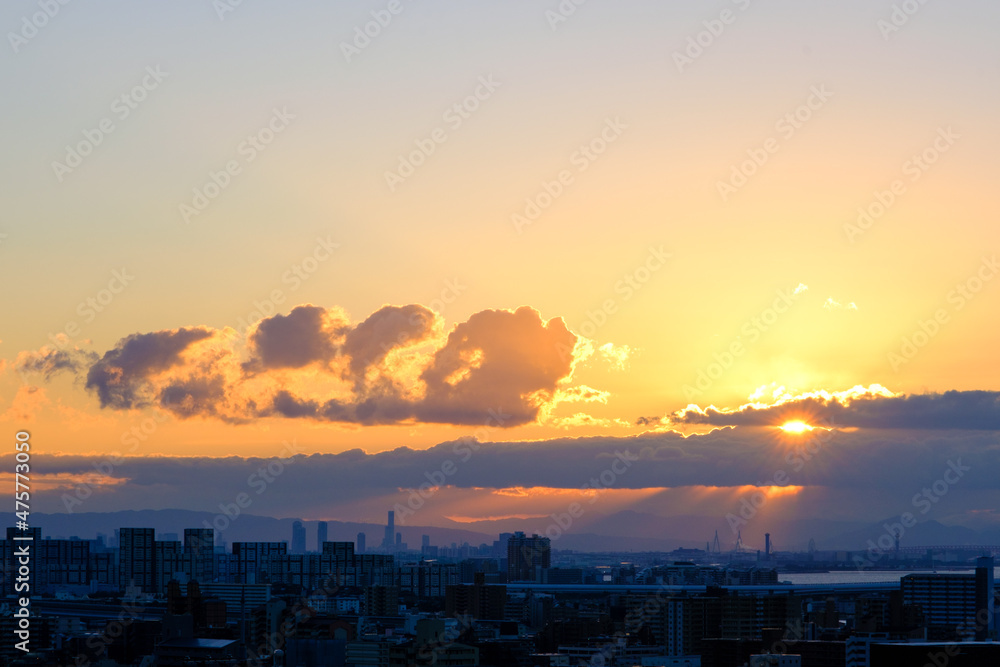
(987,623)
(775,660)
(479,600)
(361,543)
(199,548)
(527,556)
(389,541)
(322,534)
(298,538)
(920,654)
(951,602)
(253,560)
(136,560)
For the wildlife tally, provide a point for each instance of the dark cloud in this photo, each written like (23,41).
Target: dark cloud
(122,374)
(975,410)
(861,469)
(50,361)
(387,328)
(307,334)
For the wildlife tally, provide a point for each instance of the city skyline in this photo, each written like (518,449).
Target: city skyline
(725,267)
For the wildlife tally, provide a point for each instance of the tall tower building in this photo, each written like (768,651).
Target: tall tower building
(298,538)
(361,543)
(199,548)
(135,559)
(322,535)
(527,556)
(986,622)
(389,543)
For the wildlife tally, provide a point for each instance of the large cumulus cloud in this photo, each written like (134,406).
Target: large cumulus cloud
(395,366)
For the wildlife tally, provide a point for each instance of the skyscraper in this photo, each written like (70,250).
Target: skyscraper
(526,556)
(135,559)
(298,538)
(361,543)
(986,624)
(322,532)
(199,548)
(389,542)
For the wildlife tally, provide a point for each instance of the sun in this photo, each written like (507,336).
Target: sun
(796,426)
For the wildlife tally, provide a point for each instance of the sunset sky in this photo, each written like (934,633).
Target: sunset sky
(230,226)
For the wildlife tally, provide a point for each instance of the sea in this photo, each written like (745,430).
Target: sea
(865,576)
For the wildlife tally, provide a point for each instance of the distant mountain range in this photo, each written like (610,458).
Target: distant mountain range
(621,531)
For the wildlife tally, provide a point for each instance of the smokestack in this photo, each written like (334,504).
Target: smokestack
(767,545)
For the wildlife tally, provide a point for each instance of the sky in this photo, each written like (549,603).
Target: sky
(371,230)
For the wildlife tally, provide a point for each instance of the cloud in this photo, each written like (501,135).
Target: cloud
(617,355)
(512,362)
(860,407)
(124,377)
(50,361)
(860,468)
(830,304)
(395,366)
(28,401)
(306,335)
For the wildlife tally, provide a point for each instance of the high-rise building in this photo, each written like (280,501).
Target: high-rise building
(425,541)
(952,601)
(986,621)
(322,534)
(135,559)
(199,548)
(253,560)
(389,542)
(169,563)
(527,556)
(361,543)
(298,538)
